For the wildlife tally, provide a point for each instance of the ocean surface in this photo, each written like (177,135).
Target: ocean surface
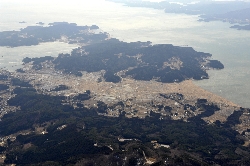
(230,46)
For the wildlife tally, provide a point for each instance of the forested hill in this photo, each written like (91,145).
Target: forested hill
(33,35)
(45,132)
(56,111)
(141,61)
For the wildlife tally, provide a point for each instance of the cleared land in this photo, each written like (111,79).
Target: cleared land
(132,92)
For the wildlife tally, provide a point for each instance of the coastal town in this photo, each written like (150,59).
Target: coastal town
(137,98)
(159,83)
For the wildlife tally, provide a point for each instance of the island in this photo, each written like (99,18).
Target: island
(241,16)
(40,23)
(33,35)
(241,27)
(234,12)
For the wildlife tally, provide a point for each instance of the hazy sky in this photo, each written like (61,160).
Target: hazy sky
(94,2)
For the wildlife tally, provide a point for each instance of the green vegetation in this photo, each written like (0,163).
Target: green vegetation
(3,87)
(37,60)
(60,88)
(18,82)
(215,64)
(49,131)
(114,56)
(33,35)
(75,142)
(3,77)
(139,60)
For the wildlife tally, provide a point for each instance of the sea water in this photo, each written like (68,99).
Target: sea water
(129,24)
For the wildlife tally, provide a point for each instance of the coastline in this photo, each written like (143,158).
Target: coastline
(138,92)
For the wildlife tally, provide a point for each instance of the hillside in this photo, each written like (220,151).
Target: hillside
(115,103)
(59,130)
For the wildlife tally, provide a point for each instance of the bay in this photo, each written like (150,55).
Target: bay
(11,58)
(229,46)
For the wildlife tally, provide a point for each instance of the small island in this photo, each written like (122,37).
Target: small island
(241,27)
(40,23)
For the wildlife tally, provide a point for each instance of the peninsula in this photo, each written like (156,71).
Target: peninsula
(117,103)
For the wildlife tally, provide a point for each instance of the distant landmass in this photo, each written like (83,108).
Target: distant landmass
(239,16)
(33,35)
(226,11)
(110,102)
(139,60)
(241,27)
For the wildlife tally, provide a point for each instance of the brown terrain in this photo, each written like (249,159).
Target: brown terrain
(139,96)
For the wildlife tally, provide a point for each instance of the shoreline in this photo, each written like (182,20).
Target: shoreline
(141,93)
